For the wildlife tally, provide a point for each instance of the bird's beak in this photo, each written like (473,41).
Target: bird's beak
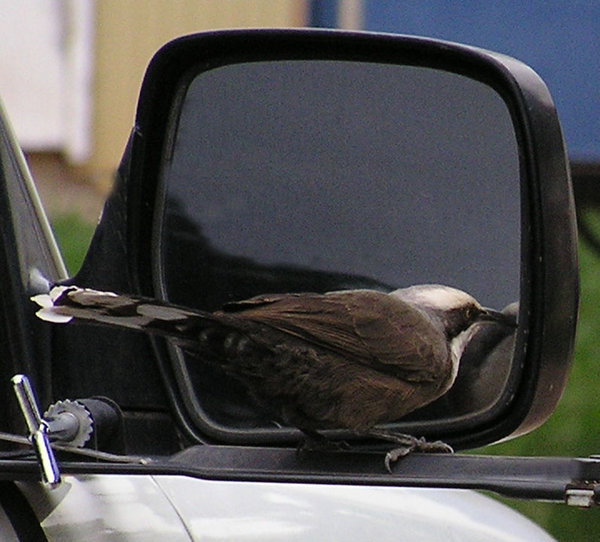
(507,318)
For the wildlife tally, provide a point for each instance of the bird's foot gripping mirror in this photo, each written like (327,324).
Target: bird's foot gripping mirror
(271,167)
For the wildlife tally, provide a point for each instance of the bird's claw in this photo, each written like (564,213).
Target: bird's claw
(412,444)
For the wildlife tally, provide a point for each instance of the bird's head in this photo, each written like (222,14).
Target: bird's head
(459,314)
(456,310)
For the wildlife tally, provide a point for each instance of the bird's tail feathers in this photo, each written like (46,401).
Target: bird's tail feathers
(66,303)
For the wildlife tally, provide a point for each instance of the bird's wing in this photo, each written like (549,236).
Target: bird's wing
(368,326)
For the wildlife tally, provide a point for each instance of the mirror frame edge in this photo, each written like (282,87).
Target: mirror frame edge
(553,303)
(555,262)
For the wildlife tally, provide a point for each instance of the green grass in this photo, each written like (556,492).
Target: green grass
(73,235)
(573,429)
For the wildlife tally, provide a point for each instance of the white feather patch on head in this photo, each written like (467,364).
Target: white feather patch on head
(435,296)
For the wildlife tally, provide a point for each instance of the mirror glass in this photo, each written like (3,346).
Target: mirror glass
(317,175)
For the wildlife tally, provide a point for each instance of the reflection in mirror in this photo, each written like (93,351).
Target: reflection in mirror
(295,176)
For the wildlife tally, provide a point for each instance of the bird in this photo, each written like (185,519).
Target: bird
(345,359)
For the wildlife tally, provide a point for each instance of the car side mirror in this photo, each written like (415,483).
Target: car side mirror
(288,161)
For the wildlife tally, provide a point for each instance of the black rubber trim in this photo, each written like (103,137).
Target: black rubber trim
(20,514)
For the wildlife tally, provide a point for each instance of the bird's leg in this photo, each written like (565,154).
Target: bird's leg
(313,440)
(407,445)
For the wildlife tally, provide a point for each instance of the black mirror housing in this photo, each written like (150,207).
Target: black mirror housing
(541,230)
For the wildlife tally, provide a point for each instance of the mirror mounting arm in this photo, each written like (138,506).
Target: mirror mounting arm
(573,481)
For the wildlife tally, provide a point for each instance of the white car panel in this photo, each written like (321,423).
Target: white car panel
(266,511)
(100,508)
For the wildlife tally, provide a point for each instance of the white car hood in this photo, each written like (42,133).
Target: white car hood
(267,511)
(99,508)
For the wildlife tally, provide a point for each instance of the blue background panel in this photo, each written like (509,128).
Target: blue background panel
(560,40)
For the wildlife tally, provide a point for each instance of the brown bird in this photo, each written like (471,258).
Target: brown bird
(349,359)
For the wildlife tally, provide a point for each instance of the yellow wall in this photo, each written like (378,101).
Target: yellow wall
(128,33)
